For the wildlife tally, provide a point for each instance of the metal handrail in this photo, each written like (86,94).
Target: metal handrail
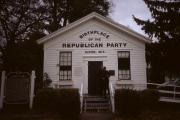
(161,85)
(173,92)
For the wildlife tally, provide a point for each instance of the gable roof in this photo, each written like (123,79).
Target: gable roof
(99,17)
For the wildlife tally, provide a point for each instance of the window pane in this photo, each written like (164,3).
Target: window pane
(69,77)
(61,72)
(124,65)
(124,74)
(65,65)
(69,73)
(61,63)
(123,54)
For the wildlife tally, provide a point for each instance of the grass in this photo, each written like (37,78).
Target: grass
(29,115)
(23,113)
(33,115)
(164,111)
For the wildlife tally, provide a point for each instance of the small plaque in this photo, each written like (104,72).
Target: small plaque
(112,72)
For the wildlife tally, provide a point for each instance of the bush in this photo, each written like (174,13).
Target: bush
(130,102)
(46,100)
(127,102)
(64,101)
(149,98)
(70,102)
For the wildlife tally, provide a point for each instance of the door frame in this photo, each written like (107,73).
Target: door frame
(86,59)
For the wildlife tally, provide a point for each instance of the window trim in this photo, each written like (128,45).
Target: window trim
(60,66)
(129,65)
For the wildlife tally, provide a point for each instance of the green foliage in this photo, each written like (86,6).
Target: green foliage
(149,98)
(130,103)
(64,101)
(47,80)
(19,19)
(161,114)
(165,22)
(25,56)
(67,11)
(164,26)
(46,99)
(70,102)
(127,102)
(22,22)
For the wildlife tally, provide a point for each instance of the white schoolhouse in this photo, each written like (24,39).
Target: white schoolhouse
(74,54)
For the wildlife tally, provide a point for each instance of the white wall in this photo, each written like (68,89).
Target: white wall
(109,58)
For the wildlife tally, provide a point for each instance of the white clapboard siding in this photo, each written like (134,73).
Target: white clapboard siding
(79,58)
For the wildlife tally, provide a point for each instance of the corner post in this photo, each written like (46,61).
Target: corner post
(2,89)
(32,82)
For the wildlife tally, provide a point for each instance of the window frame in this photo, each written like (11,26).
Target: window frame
(129,78)
(65,66)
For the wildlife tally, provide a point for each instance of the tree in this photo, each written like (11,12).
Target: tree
(22,22)
(18,19)
(22,19)
(62,12)
(165,26)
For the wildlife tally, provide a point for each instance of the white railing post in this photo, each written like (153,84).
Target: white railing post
(32,82)
(81,97)
(2,89)
(112,97)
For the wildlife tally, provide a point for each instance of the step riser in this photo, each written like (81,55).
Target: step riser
(96,104)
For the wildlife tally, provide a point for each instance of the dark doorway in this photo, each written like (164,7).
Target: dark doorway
(93,79)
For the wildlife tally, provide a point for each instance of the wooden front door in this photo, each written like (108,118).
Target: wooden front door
(93,77)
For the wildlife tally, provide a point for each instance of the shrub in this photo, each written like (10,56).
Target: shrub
(149,98)
(127,102)
(70,102)
(45,100)
(64,101)
(47,80)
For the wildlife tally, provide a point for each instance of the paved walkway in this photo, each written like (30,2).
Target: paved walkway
(97,116)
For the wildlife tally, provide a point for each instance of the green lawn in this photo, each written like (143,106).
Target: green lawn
(22,112)
(29,116)
(25,114)
(162,112)
(154,115)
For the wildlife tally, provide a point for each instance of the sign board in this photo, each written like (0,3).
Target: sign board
(94,39)
(17,88)
(112,72)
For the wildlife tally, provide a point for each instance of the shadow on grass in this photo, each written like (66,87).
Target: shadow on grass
(22,112)
(163,111)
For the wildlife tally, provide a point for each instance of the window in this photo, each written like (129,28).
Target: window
(124,65)
(65,72)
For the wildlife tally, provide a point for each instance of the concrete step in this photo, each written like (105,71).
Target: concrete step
(96,104)
(97,116)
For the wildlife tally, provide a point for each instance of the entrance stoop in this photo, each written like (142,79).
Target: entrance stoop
(96,104)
